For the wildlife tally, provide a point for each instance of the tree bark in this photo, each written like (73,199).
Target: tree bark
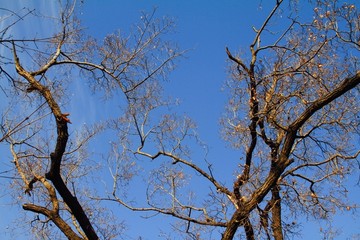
(56,156)
(276,214)
(74,206)
(61,224)
(283,161)
(232,226)
(249,231)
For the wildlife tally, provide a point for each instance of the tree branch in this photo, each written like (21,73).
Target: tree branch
(56,156)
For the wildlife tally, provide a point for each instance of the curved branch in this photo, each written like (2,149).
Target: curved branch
(236,60)
(317,164)
(56,156)
(165,212)
(283,161)
(258,32)
(59,222)
(346,85)
(177,159)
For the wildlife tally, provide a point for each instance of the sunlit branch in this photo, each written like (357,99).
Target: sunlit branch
(164,211)
(332,159)
(53,60)
(17,165)
(59,222)
(346,85)
(62,138)
(18,127)
(237,60)
(177,159)
(259,32)
(153,72)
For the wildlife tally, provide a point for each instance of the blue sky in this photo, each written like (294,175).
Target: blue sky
(203,27)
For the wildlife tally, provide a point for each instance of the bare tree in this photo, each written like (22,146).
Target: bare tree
(292,113)
(293,85)
(50,166)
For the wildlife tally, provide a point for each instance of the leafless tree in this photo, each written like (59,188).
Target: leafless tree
(49,164)
(292,113)
(301,122)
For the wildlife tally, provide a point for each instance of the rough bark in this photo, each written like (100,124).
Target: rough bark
(283,161)
(54,174)
(58,221)
(249,231)
(276,214)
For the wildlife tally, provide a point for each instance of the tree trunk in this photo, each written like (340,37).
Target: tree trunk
(276,214)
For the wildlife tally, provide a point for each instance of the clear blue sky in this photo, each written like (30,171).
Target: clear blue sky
(205,27)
